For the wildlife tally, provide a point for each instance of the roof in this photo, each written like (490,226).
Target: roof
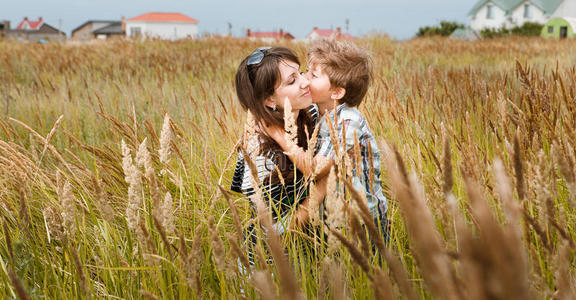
(32,25)
(465,34)
(114,28)
(332,33)
(163,17)
(90,22)
(547,6)
(270,34)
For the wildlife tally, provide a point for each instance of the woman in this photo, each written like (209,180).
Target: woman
(264,80)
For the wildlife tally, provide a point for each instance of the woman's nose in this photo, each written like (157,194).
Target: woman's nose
(305,81)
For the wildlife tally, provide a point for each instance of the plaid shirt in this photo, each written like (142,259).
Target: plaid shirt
(355,122)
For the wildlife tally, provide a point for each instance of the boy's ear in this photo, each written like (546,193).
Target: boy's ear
(337,93)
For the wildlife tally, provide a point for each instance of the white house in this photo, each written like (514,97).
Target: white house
(169,26)
(510,13)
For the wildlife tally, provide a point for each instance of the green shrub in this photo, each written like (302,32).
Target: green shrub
(445,28)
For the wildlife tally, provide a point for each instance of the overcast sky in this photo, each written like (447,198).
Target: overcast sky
(397,18)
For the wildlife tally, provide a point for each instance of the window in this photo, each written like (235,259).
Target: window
(135,31)
(489,12)
(550,29)
(527,11)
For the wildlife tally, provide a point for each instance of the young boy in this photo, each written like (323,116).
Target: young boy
(340,74)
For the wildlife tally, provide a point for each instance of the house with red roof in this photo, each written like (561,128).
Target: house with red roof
(35,31)
(269,36)
(97,29)
(327,33)
(168,26)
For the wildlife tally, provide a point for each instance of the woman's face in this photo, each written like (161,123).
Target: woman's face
(293,85)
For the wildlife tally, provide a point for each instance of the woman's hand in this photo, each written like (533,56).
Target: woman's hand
(277,133)
(300,218)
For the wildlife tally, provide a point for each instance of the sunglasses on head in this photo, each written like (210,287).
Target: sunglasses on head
(257,56)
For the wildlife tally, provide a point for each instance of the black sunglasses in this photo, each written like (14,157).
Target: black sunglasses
(257,56)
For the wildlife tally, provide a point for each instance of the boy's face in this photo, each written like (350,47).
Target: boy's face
(320,87)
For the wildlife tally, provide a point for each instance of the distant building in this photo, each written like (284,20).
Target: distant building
(509,13)
(35,31)
(93,29)
(327,33)
(4,28)
(169,26)
(465,34)
(269,36)
(113,30)
(560,28)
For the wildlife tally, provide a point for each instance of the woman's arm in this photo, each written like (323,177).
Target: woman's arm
(298,156)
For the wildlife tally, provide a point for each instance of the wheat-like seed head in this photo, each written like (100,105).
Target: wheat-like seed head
(165,141)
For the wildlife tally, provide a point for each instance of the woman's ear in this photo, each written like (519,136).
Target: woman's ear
(269,102)
(337,93)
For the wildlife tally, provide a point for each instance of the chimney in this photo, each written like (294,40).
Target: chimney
(315,28)
(248,33)
(40,19)
(25,18)
(338,32)
(123,24)
(281,33)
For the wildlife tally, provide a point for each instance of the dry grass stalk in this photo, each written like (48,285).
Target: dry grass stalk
(359,232)
(8,240)
(447,168)
(79,270)
(18,286)
(167,214)
(165,141)
(518,168)
(104,207)
(291,128)
(234,210)
(162,231)
(382,286)
(218,249)
(134,178)
(335,277)
(68,202)
(262,280)
(497,253)
(192,260)
(236,249)
(23,211)
(54,225)
(436,268)
(398,271)
(148,295)
(143,159)
(51,134)
(354,252)
(565,282)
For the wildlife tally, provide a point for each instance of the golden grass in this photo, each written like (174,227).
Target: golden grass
(114,160)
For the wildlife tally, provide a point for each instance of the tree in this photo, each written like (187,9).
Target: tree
(445,28)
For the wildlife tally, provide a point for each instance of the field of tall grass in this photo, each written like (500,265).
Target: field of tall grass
(116,161)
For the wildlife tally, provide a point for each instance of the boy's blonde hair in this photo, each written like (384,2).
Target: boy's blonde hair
(346,65)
